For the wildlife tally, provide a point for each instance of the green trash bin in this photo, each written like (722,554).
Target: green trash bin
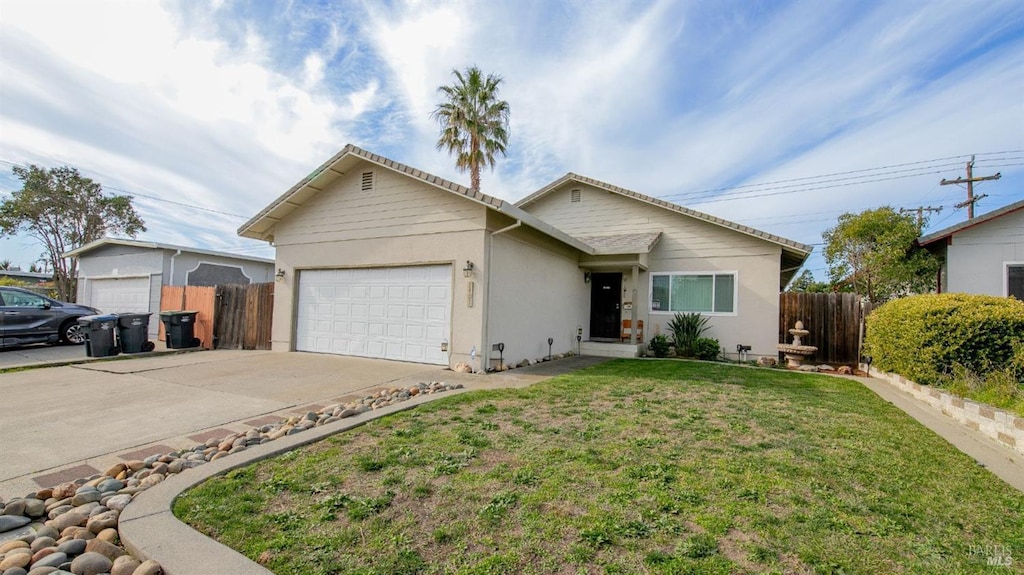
(133,329)
(180,329)
(100,335)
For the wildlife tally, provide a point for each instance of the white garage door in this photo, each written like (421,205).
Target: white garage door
(401,313)
(118,295)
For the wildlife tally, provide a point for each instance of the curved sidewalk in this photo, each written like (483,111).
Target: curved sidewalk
(149,529)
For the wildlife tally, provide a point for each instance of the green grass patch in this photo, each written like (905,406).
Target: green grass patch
(628,467)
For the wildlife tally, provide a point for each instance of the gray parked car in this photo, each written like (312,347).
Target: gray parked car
(27,317)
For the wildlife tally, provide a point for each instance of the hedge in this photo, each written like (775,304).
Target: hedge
(923,337)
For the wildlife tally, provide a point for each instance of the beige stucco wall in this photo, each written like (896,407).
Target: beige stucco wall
(687,245)
(537,291)
(976,260)
(400,222)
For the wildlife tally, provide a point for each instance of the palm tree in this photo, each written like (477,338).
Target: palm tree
(474,122)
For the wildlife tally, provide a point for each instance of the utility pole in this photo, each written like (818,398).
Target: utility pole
(920,214)
(969,180)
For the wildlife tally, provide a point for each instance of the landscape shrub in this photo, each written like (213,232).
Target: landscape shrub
(686,328)
(924,337)
(706,348)
(659,345)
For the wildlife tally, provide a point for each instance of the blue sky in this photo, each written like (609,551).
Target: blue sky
(221,106)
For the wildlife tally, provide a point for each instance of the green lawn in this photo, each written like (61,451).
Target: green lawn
(629,467)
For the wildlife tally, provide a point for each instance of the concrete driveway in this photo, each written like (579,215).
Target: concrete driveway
(61,423)
(39,354)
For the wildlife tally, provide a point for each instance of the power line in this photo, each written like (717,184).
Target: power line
(865,171)
(780,193)
(786,190)
(154,198)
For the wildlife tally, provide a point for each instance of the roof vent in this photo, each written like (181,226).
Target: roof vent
(574,196)
(367,182)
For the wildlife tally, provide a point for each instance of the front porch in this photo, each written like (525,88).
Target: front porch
(610,349)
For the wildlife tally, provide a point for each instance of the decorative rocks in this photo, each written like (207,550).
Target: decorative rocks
(90,563)
(80,527)
(11,522)
(766,361)
(845,370)
(462,367)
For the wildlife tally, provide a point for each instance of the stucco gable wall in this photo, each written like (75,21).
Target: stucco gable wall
(602,212)
(397,206)
(976,258)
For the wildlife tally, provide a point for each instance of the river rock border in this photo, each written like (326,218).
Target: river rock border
(1002,426)
(74,527)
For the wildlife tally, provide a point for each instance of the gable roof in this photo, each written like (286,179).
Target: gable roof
(262,224)
(80,251)
(793,253)
(947,232)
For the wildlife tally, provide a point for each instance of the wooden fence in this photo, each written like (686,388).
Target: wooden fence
(243,316)
(191,298)
(834,320)
(230,316)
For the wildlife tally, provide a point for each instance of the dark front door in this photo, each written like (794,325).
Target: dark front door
(605,301)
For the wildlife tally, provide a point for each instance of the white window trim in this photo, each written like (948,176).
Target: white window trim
(1006,276)
(735,292)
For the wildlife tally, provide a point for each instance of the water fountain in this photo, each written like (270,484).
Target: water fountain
(796,352)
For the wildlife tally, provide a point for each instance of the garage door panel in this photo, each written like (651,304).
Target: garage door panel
(416,312)
(395,313)
(436,313)
(120,295)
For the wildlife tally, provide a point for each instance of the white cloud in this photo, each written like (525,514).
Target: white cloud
(215,107)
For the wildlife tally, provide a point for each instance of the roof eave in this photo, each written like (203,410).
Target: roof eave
(747,230)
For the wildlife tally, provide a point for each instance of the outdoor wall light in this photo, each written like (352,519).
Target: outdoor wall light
(468,270)
(586,277)
(280,274)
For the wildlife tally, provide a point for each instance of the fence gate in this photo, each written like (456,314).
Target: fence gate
(833,320)
(244,316)
(192,298)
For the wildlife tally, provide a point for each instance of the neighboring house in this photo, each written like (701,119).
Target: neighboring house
(118,275)
(984,255)
(383,260)
(27,277)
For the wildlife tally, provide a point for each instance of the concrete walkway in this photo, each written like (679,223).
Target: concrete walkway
(1002,461)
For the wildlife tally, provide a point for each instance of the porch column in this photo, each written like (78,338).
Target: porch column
(633,308)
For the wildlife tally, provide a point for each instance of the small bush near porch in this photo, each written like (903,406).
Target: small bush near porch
(629,467)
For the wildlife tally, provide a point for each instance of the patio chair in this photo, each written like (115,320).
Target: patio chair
(627,330)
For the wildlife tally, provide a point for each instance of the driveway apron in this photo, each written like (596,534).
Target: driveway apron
(91,416)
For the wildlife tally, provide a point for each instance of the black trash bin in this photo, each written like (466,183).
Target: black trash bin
(180,327)
(100,335)
(133,329)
